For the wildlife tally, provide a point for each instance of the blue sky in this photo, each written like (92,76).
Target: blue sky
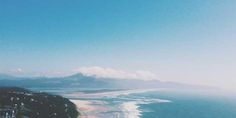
(190,41)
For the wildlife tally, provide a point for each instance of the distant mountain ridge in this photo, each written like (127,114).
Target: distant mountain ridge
(81,81)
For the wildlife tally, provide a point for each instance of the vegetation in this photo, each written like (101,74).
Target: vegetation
(18,102)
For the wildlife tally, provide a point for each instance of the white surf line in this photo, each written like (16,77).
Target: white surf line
(130,110)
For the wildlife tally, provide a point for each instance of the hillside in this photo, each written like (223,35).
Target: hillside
(21,103)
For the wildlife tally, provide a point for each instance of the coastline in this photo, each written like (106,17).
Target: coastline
(99,105)
(89,109)
(85,108)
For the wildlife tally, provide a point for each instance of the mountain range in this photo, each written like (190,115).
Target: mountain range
(81,81)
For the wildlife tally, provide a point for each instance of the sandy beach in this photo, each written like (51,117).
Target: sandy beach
(89,109)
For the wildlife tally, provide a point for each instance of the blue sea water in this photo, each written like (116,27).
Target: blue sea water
(189,106)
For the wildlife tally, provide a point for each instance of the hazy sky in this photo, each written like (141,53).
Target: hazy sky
(190,41)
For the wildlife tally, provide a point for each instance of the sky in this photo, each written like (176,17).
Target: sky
(188,41)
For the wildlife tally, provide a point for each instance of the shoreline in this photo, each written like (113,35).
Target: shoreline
(89,109)
(84,108)
(114,104)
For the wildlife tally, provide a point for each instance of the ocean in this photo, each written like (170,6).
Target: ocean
(189,106)
(150,103)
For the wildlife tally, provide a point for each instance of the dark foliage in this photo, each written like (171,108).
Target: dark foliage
(27,104)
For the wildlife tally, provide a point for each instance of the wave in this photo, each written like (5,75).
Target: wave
(131,109)
(123,106)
